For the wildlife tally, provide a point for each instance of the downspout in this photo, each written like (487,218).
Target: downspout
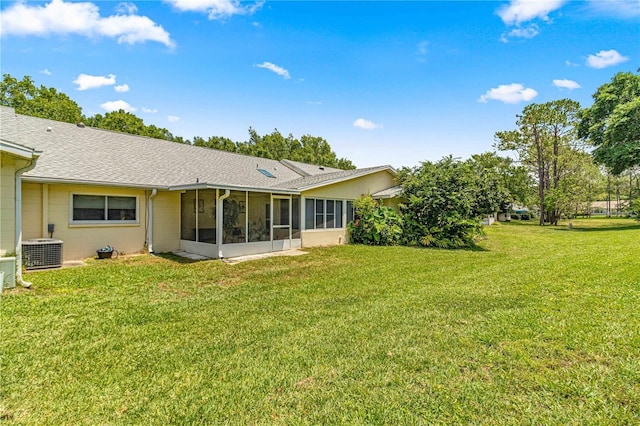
(18,180)
(220,220)
(154,192)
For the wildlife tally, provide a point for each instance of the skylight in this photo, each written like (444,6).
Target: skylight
(266,173)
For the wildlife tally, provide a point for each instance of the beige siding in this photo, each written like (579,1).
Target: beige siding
(32,211)
(324,237)
(352,189)
(80,241)
(166,222)
(8,169)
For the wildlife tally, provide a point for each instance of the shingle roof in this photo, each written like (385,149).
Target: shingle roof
(308,182)
(8,125)
(89,155)
(305,169)
(392,192)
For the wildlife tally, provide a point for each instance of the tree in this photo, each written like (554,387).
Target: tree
(126,122)
(612,123)
(439,204)
(44,102)
(499,183)
(309,149)
(216,142)
(546,143)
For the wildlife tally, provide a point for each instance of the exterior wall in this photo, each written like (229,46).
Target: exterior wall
(81,241)
(32,211)
(8,169)
(352,189)
(166,222)
(347,190)
(324,237)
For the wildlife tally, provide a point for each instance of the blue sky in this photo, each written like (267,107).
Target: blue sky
(383,82)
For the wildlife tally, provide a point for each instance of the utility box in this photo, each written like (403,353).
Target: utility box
(42,253)
(8,266)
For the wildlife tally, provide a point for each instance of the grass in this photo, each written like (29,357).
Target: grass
(539,327)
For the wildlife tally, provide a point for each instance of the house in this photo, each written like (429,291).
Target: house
(91,187)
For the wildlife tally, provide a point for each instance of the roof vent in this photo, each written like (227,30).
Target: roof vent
(81,125)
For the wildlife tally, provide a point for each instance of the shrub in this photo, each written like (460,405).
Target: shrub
(439,205)
(375,224)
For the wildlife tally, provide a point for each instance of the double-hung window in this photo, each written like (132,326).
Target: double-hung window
(104,208)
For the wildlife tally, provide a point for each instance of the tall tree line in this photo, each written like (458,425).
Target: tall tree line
(40,101)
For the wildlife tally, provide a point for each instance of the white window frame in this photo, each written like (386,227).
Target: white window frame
(106,212)
(324,213)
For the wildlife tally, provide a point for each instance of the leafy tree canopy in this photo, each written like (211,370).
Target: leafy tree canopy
(612,123)
(126,122)
(28,99)
(275,146)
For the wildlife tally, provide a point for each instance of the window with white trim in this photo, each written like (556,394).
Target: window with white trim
(104,208)
(323,214)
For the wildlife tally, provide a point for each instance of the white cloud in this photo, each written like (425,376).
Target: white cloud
(117,105)
(361,123)
(126,8)
(275,68)
(85,81)
(615,8)
(570,64)
(520,11)
(45,72)
(528,32)
(566,84)
(423,47)
(509,94)
(314,103)
(216,9)
(149,110)
(121,88)
(82,18)
(605,58)
(173,118)
(422,50)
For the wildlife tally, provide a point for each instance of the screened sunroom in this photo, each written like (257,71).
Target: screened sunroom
(226,223)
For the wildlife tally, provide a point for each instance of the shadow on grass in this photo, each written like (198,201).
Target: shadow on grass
(179,259)
(476,247)
(635,226)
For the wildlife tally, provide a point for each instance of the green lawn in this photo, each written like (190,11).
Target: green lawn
(541,326)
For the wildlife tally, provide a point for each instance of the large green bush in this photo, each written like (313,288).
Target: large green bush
(439,204)
(375,224)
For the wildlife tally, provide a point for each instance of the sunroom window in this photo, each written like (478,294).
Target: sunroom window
(323,214)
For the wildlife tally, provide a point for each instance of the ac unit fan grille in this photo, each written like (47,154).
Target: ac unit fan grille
(42,253)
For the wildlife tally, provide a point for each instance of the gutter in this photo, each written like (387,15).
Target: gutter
(154,192)
(220,220)
(18,206)
(37,179)
(266,190)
